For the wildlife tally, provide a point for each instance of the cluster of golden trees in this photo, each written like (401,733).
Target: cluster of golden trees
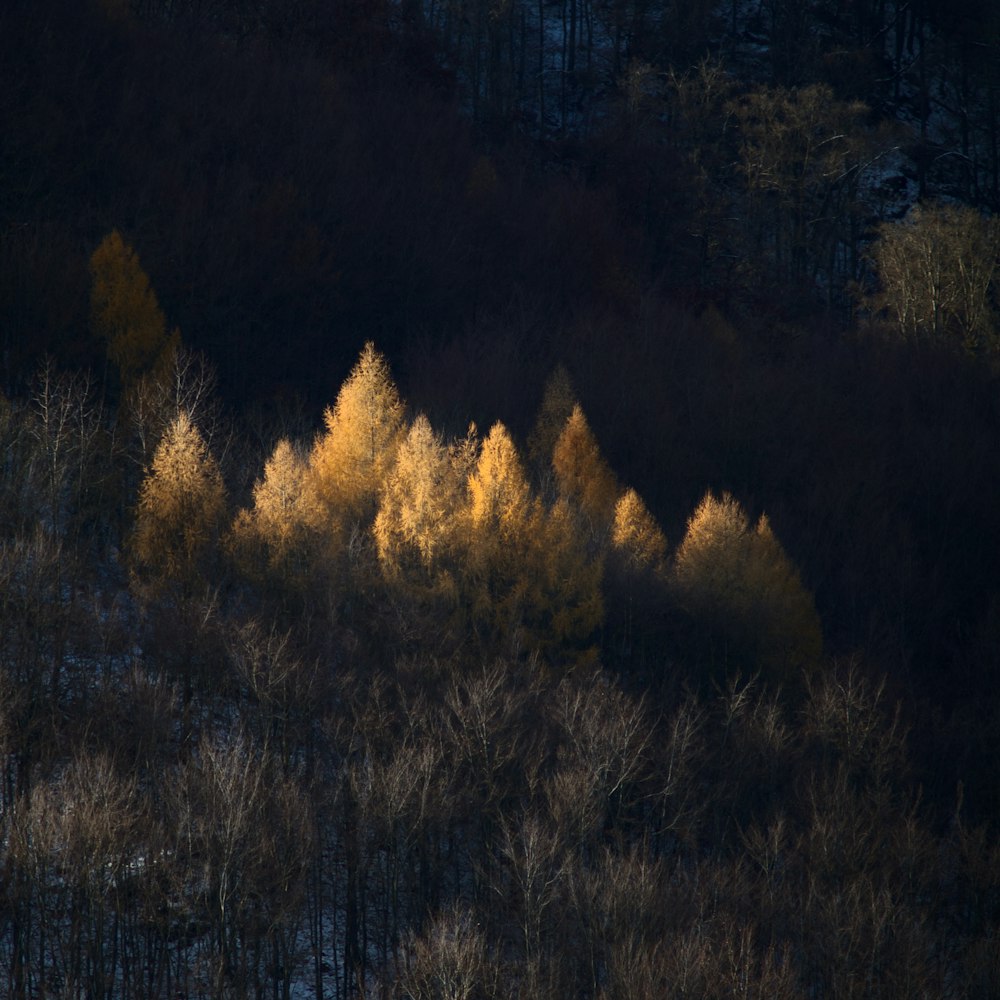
(461,537)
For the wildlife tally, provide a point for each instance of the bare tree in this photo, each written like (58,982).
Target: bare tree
(247,834)
(937,272)
(449,961)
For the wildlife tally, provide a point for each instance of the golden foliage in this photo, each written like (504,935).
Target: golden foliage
(582,475)
(419,501)
(463,454)
(529,578)
(125,313)
(710,557)
(274,531)
(349,462)
(740,583)
(636,535)
(181,505)
(499,495)
(278,497)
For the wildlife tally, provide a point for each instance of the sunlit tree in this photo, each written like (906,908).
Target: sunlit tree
(350,460)
(738,583)
(182,502)
(528,574)
(495,530)
(635,535)
(277,498)
(583,477)
(274,532)
(499,494)
(419,503)
(937,272)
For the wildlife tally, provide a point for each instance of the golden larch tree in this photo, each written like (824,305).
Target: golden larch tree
(530,580)
(494,537)
(350,460)
(499,494)
(636,536)
(739,584)
(182,502)
(125,313)
(277,497)
(419,502)
(274,533)
(583,477)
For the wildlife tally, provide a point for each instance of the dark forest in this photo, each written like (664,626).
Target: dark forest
(499,499)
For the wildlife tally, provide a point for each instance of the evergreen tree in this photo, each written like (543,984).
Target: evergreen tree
(635,535)
(182,502)
(419,503)
(124,312)
(583,477)
(273,534)
(350,460)
(743,591)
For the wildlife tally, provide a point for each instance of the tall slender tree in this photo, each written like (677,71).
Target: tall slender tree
(125,313)
(181,506)
(350,460)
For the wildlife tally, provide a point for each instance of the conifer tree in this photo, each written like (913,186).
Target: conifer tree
(125,313)
(497,514)
(738,583)
(277,498)
(634,580)
(350,460)
(181,505)
(419,503)
(583,477)
(635,535)
(532,583)
(499,494)
(274,531)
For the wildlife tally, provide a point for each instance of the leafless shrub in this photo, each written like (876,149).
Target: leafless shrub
(449,961)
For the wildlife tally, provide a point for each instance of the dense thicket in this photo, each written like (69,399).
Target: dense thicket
(634,633)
